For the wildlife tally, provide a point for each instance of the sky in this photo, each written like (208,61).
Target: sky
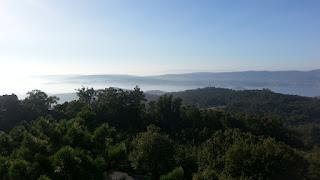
(142,37)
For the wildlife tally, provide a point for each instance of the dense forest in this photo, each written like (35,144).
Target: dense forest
(211,134)
(292,108)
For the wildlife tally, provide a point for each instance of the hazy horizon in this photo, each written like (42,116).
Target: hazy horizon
(57,37)
(305,83)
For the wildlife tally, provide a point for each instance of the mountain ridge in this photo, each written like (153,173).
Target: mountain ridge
(304,83)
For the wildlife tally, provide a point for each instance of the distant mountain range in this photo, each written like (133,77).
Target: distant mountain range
(305,83)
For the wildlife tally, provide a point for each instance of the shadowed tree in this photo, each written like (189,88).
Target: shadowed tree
(152,152)
(38,103)
(86,95)
(10,112)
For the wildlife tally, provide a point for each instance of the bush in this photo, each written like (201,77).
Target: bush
(44,177)
(18,169)
(176,174)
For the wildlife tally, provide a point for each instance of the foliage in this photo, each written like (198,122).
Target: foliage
(264,160)
(175,174)
(19,169)
(221,134)
(293,108)
(152,152)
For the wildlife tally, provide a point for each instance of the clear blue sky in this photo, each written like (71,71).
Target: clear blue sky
(158,36)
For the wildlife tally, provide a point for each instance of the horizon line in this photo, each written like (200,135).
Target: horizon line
(173,73)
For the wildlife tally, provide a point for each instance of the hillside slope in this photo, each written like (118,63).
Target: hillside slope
(259,102)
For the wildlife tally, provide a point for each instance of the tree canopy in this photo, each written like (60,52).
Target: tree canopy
(109,131)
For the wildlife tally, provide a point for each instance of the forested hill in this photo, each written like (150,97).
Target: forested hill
(113,131)
(294,108)
(259,102)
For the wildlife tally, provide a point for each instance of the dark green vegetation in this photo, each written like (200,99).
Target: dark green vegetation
(110,130)
(291,108)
